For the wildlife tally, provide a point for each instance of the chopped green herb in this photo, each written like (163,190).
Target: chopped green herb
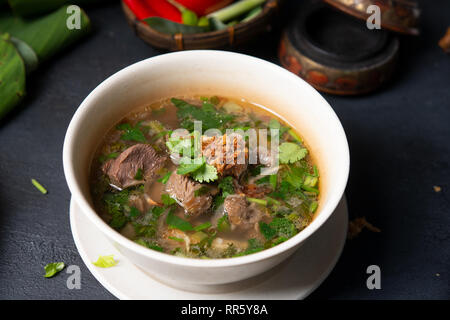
(273,181)
(105,261)
(203,226)
(207,114)
(309,189)
(39,186)
(223,225)
(258,201)
(295,136)
(267,231)
(139,174)
(201,191)
(112,155)
(207,173)
(167,200)
(165,178)
(131,133)
(310,181)
(53,268)
(253,246)
(150,245)
(175,222)
(313,206)
(291,152)
(185,168)
(283,227)
(176,239)
(134,212)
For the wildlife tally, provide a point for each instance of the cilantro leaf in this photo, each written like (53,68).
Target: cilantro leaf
(291,152)
(175,222)
(207,173)
(207,114)
(53,268)
(134,212)
(283,227)
(266,230)
(148,244)
(190,166)
(131,133)
(167,200)
(105,261)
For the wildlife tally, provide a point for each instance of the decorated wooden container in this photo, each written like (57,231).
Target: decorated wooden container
(336,52)
(232,36)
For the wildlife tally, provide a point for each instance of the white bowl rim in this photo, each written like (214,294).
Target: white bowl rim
(182,261)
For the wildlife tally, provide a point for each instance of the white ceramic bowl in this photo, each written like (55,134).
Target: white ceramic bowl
(215,73)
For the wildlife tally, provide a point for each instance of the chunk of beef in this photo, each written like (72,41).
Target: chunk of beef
(182,188)
(240,212)
(228,159)
(122,170)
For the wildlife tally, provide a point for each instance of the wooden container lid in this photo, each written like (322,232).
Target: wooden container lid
(396,15)
(337,53)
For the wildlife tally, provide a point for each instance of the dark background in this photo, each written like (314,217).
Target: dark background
(399,143)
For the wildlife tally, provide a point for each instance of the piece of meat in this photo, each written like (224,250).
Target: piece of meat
(182,188)
(444,43)
(240,212)
(122,170)
(255,191)
(228,159)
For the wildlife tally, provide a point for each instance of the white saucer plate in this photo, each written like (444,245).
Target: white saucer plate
(295,279)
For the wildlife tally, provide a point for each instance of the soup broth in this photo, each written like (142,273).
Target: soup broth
(204,177)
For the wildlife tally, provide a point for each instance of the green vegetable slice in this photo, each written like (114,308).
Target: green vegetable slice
(105,261)
(38,186)
(53,268)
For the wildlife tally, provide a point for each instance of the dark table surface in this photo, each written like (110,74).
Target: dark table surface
(399,143)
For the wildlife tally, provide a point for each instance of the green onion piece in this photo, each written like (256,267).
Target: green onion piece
(273,181)
(316,171)
(166,177)
(176,239)
(252,14)
(310,181)
(258,201)
(295,135)
(39,186)
(203,22)
(235,10)
(203,226)
(313,206)
(223,225)
(272,201)
(199,236)
(309,189)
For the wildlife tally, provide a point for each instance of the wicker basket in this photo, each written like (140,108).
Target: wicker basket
(231,36)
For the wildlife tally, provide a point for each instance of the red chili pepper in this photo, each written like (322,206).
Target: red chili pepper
(164,10)
(203,7)
(140,9)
